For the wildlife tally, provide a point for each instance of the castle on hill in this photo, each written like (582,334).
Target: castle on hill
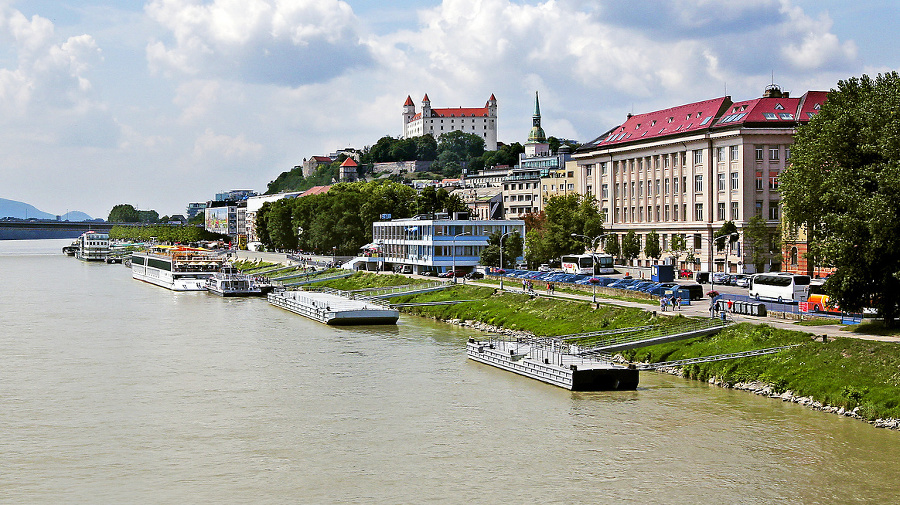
(481,121)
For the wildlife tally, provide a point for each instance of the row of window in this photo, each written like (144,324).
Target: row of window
(669,213)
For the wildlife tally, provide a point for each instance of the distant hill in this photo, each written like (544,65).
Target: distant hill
(21,210)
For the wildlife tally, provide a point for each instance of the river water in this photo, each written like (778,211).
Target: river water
(116,391)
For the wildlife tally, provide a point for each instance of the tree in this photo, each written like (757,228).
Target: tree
(651,247)
(842,185)
(727,231)
(124,213)
(564,215)
(512,249)
(631,246)
(758,240)
(612,246)
(677,247)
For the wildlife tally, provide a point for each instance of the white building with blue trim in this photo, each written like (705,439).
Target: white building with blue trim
(436,243)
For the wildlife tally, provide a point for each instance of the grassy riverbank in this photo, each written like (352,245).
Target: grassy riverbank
(842,372)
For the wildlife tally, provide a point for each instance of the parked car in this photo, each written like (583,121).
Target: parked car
(452,273)
(736,277)
(544,268)
(743,282)
(474,275)
(721,278)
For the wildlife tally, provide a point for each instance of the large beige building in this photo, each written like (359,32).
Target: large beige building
(689,169)
(481,121)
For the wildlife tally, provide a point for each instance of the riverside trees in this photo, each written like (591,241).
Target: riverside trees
(339,220)
(551,237)
(843,186)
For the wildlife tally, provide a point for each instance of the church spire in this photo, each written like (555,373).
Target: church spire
(537,135)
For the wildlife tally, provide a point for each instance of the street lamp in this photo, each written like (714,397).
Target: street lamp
(453,253)
(501,256)
(593,261)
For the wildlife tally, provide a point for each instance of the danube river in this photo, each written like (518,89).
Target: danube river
(116,391)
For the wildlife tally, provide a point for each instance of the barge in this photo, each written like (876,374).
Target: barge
(553,363)
(333,309)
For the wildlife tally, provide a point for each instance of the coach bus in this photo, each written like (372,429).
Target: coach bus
(583,264)
(780,286)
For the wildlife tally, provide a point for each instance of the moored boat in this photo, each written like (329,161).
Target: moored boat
(554,364)
(229,281)
(91,246)
(176,268)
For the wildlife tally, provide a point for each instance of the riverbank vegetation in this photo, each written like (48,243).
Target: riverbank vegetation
(842,372)
(164,233)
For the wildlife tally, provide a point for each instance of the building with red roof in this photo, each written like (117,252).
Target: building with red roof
(481,121)
(688,169)
(348,171)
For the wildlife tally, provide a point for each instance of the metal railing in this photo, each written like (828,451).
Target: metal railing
(709,359)
(644,336)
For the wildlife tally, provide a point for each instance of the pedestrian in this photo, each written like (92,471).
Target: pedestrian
(677,302)
(712,307)
(662,303)
(524,285)
(730,306)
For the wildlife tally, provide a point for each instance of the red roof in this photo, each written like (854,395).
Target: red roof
(426,98)
(662,123)
(408,101)
(715,113)
(775,111)
(349,162)
(322,159)
(315,190)
(460,112)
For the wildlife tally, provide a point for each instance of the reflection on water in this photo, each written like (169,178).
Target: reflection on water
(118,391)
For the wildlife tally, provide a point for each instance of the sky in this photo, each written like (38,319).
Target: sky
(158,103)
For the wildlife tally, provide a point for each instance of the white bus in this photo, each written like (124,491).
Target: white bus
(583,264)
(780,286)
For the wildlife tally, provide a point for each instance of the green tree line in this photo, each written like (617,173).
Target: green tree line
(341,220)
(164,233)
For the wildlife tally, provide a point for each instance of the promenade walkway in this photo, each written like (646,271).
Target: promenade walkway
(698,308)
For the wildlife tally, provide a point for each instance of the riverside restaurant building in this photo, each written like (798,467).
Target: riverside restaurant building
(434,243)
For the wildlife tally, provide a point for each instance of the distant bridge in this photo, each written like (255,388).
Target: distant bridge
(29,229)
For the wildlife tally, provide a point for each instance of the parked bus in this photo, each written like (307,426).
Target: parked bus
(604,264)
(583,264)
(780,286)
(578,264)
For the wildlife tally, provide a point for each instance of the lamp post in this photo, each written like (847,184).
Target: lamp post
(593,261)
(453,253)
(501,256)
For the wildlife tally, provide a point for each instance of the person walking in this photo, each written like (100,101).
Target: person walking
(662,303)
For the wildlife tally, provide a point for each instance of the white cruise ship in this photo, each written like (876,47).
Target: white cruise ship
(176,268)
(92,246)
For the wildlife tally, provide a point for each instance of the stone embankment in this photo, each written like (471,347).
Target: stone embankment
(763,389)
(756,387)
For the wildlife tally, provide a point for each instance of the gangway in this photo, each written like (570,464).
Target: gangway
(631,338)
(406,289)
(708,359)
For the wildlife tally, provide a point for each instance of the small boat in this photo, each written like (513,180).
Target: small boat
(229,281)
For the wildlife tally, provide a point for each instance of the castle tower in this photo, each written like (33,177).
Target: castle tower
(426,106)
(409,111)
(537,144)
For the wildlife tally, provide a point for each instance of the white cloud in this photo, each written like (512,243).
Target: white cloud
(817,48)
(285,42)
(224,146)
